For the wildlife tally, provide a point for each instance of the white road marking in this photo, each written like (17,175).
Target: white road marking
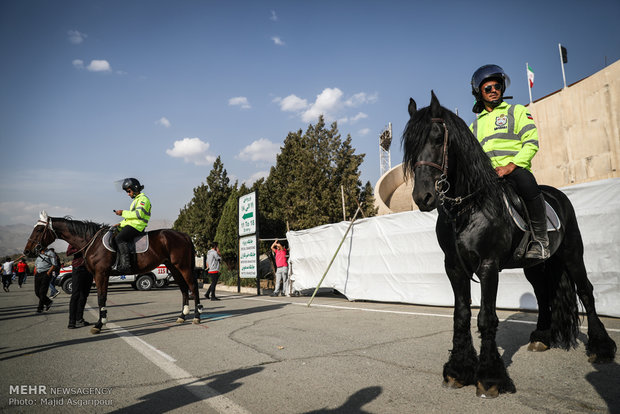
(441,315)
(167,364)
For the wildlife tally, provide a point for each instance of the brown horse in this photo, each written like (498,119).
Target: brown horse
(170,247)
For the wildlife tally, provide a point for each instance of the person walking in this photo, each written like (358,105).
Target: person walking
(53,291)
(7,272)
(213,266)
(509,137)
(280,252)
(44,266)
(22,271)
(81,282)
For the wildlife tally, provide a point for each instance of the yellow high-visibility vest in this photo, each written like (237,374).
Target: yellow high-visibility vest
(139,213)
(507,134)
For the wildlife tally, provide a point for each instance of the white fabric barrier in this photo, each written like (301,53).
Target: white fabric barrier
(396,257)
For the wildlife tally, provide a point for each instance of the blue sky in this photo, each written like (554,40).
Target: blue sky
(94,91)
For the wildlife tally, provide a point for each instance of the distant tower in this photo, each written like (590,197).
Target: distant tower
(385,139)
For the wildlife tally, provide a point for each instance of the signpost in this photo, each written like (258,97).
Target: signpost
(248,239)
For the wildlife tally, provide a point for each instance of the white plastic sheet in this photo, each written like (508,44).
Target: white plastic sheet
(396,257)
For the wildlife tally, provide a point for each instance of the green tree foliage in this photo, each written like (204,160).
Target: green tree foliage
(200,217)
(228,227)
(304,187)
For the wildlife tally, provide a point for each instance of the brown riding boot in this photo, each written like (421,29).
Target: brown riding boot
(539,246)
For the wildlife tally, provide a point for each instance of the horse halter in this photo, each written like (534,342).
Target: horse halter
(48,227)
(441,185)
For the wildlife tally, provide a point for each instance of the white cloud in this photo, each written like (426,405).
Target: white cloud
(163,121)
(78,63)
(76,37)
(241,101)
(274,16)
(192,150)
(277,41)
(99,66)
(330,103)
(360,115)
(364,131)
(327,103)
(260,150)
(255,177)
(292,103)
(360,98)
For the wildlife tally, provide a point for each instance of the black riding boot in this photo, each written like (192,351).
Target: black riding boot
(539,246)
(124,263)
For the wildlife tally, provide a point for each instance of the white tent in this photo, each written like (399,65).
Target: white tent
(396,257)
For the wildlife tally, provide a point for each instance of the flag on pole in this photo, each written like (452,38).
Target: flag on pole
(530,76)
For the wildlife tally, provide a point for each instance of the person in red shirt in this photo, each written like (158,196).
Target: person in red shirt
(281,269)
(22,271)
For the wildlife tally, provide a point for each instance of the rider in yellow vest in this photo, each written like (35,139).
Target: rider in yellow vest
(509,137)
(134,223)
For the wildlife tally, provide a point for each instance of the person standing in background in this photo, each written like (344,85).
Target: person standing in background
(81,281)
(213,265)
(280,252)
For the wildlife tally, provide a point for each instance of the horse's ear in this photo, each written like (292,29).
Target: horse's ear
(412,107)
(435,106)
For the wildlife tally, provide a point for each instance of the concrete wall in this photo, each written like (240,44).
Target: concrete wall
(579,137)
(579,131)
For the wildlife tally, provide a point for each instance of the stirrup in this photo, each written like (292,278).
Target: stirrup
(530,254)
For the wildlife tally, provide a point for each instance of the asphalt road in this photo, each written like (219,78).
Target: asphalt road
(258,354)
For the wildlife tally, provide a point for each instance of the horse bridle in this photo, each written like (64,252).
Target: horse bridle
(48,226)
(441,184)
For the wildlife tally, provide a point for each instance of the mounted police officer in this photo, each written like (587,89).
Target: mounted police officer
(509,137)
(134,223)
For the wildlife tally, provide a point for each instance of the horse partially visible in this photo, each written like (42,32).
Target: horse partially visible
(172,248)
(452,173)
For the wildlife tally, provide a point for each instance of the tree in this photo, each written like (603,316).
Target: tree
(227,234)
(200,217)
(304,187)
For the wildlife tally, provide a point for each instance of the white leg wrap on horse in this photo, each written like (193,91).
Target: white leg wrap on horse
(199,307)
(185,309)
(104,321)
(102,309)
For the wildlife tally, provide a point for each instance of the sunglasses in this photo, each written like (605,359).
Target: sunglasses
(489,88)
(128,191)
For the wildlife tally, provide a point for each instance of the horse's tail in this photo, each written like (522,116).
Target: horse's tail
(564,309)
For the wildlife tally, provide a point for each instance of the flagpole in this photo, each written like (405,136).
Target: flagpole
(527,72)
(562,63)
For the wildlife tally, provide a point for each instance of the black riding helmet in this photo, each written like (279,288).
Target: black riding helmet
(133,184)
(483,74)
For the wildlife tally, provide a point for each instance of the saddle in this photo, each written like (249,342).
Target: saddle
(138,245)
(514,203)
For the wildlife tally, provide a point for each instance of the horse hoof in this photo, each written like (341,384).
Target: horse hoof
(180,320)
(196,321)
(95,330)
(492,392)
(450,382)
(537,347)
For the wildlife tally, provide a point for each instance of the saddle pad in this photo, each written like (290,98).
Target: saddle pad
(141,243)
(553,221)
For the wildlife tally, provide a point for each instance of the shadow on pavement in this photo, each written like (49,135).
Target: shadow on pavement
(354,404)
(181,395)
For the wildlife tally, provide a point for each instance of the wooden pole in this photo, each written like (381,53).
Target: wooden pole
(333,257)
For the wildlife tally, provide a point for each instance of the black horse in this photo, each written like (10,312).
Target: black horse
(170,247)
(477,235)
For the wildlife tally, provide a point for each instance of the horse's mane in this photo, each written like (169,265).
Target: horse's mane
(83,228)
(473,167)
